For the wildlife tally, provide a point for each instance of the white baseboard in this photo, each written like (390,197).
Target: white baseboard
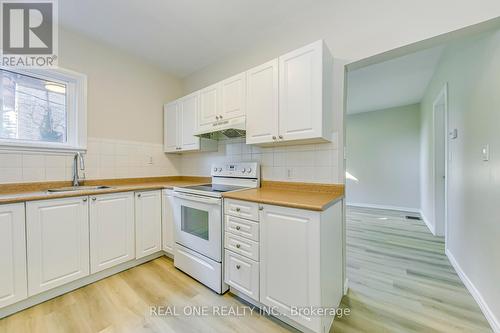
(431,227)
(388,207)
(490,316)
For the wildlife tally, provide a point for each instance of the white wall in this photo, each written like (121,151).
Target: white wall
(472,71)
(383,153)
(125,118)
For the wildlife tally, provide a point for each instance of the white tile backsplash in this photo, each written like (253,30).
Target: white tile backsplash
(300,163)
(105,158)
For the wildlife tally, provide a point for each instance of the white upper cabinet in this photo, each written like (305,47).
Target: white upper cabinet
(13,282)
(303,113)
(262,103)
(147,223)
(188,107)
(233,92)
(112,231)
(209,111)
(57,242)
(180,126)
(171,130)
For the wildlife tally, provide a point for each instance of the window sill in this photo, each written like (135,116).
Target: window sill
(13,148)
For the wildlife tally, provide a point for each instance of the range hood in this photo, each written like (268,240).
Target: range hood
(227,129)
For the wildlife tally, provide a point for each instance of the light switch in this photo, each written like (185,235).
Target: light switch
(485,153)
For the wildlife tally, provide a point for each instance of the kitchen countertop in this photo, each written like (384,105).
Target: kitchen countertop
(12,193)
(317,197)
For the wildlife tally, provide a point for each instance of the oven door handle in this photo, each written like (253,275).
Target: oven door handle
(196,198)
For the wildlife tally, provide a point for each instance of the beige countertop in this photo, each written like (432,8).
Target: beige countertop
(12,193)
(317,197)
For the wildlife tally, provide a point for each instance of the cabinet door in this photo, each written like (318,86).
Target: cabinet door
(290,261)
(147,223)
(58,242)
(187,122)
(13,283)
(209,107)
(262,103)
(170,135)
(233,91)
(300,110)
(167,222)
(112,231)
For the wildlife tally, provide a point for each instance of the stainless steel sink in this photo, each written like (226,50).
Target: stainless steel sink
(77,188)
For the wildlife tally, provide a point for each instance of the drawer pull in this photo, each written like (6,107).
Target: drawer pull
(261,207)
(238,227)
(238,246)
(94,199)
(238,266)
(238,209)
(84,199)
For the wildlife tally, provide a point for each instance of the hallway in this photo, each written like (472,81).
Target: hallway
(400,279)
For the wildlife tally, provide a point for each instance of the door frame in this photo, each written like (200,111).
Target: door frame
(442,97)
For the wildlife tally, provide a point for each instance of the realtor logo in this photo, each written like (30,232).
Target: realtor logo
(29,33)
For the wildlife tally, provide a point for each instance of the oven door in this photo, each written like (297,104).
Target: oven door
(198,224)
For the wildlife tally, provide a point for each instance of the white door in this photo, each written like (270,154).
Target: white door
(440,152)
(290,261)
(300,71)
(112,230)
(209,107)
(170,127)
(262,103)
(233,92)
(147,223)
(167,221)
(13,282)
(187,122)
(58,242)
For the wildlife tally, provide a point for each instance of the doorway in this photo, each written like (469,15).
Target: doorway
(440,130)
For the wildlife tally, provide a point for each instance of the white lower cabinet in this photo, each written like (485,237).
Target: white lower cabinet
(112,240)
(242,274)
(167,221)
(13,283)
(290,262)
(147,223)
(57,242)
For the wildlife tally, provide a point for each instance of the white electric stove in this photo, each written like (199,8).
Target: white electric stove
(199,225)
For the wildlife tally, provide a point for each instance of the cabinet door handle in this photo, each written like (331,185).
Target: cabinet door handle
(238,246)
(217,117)
(238,266)
(139,195)
(94,199)
(261,207)
(274,137)
(281,137)
(220,117)
(238,209)
(85,199)
(238,227)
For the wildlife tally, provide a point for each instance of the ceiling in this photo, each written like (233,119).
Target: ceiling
(171,33)
(397,82)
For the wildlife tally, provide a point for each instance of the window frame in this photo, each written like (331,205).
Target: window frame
(76,101)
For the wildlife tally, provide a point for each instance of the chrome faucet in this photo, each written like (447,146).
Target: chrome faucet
(78,156)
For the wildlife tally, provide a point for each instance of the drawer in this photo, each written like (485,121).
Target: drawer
(243,246)
(242,227)
(244,209)
(242,274)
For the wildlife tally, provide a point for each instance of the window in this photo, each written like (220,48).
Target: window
(43,110)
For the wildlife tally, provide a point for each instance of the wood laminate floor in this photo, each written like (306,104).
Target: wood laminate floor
(400,281)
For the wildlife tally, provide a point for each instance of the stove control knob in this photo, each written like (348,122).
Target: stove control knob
(243,171)
(249,170)
(220,169)
(215,169)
